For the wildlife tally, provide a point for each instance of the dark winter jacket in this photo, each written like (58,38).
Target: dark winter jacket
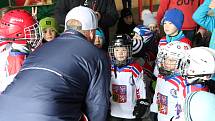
(58,81)
(106,8)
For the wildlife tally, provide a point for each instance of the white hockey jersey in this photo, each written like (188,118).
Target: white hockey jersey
(169,97)
(12,56)
(126,87)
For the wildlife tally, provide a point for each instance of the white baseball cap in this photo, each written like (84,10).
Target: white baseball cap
(85,15)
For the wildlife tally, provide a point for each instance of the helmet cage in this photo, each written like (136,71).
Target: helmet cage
(33,35)
(168,64)
(117,62)
(121,41)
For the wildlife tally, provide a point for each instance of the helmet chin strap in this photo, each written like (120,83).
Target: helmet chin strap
(165,72)
(120,63)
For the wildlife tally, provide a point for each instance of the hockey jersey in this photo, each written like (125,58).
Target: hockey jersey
(12,56)
(126,87)
(169,97)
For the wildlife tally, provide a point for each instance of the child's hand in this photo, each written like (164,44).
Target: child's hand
(141,108)
(212,4)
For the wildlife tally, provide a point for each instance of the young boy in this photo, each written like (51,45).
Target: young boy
(149,20)
(126,23)
(128,100)
(144,53)
(100,38)
(171,88)
(172,29)
(49,28)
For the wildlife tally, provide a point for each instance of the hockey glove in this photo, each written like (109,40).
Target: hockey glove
(141,107)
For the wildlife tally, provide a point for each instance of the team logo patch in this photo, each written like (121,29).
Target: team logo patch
(173,92)
(119,93)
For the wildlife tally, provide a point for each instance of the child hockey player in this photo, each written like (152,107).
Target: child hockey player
(171,88)
(128,100)
(21,33)
(197,69)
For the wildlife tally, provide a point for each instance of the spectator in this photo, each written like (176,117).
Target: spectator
(206,21)
(126,23)
(21,34)
(149,20)
(100,38)
(188,7)
(128,100)
(144,53)
(62,78)
(49,28)
(105,9)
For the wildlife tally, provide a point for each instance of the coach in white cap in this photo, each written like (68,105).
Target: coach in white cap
(83,20)
(63,79)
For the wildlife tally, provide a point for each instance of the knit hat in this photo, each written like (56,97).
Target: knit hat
(137,46)
(85,16)
(101,34)
(125,12)
(48,22)
(149,19)
(175,16)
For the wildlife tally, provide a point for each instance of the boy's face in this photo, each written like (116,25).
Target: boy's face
(98,42)
(170,29)
(49,34)
(120,53)
(170,63)
(128,19)
(153,27)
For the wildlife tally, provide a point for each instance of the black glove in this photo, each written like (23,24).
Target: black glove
(140,108)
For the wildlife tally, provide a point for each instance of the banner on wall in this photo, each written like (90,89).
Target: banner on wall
(20,3)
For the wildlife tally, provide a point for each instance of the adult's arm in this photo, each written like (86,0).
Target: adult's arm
(164,5)
(97,99)
(202,18)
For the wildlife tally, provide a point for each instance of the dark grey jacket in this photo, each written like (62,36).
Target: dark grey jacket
(58,81)
(107,9)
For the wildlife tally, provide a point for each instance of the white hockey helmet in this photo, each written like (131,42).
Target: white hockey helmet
(199,65)
(170,56)
(204,101)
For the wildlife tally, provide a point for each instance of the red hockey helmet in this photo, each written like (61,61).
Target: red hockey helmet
(19,24)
